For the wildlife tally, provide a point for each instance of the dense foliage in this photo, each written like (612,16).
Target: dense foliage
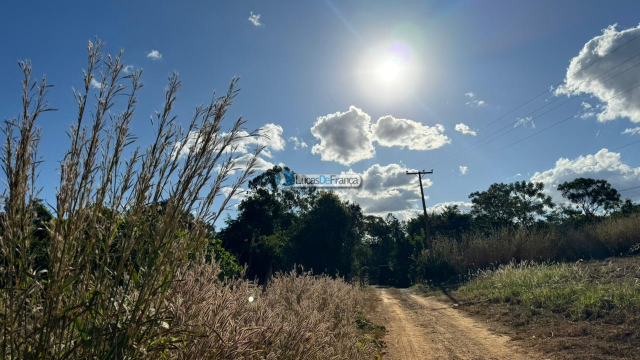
(275,229)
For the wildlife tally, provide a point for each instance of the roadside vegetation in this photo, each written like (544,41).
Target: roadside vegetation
(585,310)
(125,264)
(577,291)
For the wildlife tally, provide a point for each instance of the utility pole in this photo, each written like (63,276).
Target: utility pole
(424,208)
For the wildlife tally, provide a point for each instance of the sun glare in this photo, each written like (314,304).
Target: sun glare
(389,70)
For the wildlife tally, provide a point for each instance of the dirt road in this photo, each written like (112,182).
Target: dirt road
(421,328)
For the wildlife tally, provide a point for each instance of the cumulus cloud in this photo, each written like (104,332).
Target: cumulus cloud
(464,207)
(463,170)
(242,161)
(602,165)
(297,143)
(95,84)
(465,129)
(581,79)
(344,137)
(128,69)
(255,19)
(387,189)
(154,55)
(632,131)
(270,138)
(524,121)
(389,131)
(473,101)
(239,195)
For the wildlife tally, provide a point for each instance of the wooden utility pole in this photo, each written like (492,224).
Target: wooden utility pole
(424,208)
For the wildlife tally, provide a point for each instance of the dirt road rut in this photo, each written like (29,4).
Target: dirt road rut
(421,328)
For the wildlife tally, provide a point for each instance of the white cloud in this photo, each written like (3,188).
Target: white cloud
(154,55)
(524,121)
(464,207)
(465,129)
(297,143)
(389,131)
(242,161)
(583,80)
(239,195)
(344,137)
(473,101)
(255,19)
(632,131)
(128,69)
(95,84)
(514,176)
(463,170)
(588,110)
(603,165)
(387,189)
(271,140)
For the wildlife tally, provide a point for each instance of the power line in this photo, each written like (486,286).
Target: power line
(562,121)
(631,188)
(545,129)
(471,148)
(560,83)
(530,100)
(624,146)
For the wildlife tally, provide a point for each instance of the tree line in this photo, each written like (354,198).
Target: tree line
(275,230)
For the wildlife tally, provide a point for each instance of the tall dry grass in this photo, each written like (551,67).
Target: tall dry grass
(457,259)
(119,282)
(298,316)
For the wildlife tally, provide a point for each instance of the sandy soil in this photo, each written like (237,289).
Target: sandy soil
(422,328)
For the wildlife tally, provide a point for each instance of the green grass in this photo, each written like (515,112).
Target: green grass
(575,289)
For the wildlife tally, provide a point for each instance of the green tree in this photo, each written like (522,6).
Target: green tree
(451,222)
(509,204)
(328,235)
(590,195)
(529,201)
(493,207)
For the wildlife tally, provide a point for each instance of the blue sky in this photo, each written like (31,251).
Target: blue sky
(383,83)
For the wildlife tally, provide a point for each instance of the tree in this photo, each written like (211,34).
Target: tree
(493,207)
(327,237)
(590,195)
(528,201)
(451,222)
(508,204)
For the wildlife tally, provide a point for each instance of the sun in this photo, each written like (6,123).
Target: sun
(389,70)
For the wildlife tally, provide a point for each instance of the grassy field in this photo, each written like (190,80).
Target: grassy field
(574,310)
(576,290)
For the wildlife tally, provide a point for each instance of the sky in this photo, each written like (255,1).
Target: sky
(368,87)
